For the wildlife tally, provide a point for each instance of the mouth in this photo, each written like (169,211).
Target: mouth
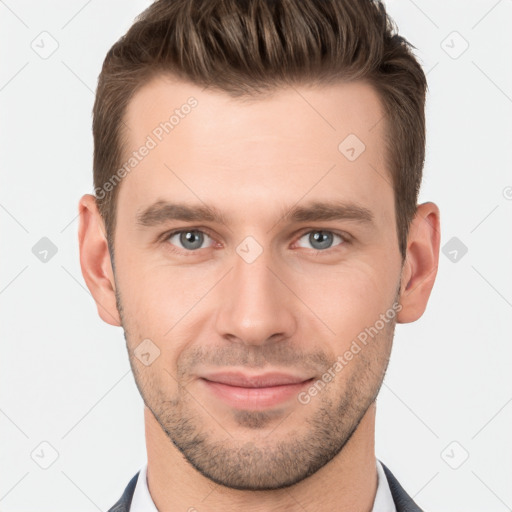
(257,392)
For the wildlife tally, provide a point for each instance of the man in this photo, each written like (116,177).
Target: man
(255,231)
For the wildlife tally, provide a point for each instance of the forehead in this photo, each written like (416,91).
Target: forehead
(327,110)
(286,142)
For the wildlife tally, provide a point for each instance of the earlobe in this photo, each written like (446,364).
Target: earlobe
(95,260)
(420,267)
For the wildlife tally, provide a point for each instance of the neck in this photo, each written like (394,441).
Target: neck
(347,483)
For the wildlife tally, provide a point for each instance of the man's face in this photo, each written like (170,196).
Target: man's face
(270,289)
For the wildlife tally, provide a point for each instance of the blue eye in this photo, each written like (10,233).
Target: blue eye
(321,240)
(190,240)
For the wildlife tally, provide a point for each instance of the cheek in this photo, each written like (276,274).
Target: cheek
(162,306)
(347,300)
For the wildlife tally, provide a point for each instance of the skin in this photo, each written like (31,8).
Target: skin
(295,308)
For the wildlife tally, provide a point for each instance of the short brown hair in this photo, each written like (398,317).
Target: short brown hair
(248,47)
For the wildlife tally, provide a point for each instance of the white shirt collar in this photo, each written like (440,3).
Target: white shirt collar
(142,501)
(383,499)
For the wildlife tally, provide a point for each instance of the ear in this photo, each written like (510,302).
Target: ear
(95,260)
(421,262)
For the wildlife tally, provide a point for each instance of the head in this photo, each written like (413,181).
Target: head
(256,171)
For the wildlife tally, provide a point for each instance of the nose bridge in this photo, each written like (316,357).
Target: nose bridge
(255,304)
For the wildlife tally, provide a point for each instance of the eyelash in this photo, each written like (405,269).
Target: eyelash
(346,240)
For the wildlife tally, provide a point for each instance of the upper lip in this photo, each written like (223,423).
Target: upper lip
(254,381)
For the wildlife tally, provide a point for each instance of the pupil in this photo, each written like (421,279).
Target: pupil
(191,239)
(321,238)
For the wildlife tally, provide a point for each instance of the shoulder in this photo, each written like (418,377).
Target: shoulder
(403,502)
(123,505)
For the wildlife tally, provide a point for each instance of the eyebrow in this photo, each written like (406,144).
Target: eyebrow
(163,211)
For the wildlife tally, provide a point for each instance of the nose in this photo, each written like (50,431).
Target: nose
(255,305)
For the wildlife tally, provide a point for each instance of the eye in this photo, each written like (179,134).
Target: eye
(321,240)
(190,239)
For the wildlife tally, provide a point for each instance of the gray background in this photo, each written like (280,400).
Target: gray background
(65,376)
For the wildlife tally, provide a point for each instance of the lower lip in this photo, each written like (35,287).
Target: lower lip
(254,398)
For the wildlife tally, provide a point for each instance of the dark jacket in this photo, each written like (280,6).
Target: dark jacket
(403,502)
